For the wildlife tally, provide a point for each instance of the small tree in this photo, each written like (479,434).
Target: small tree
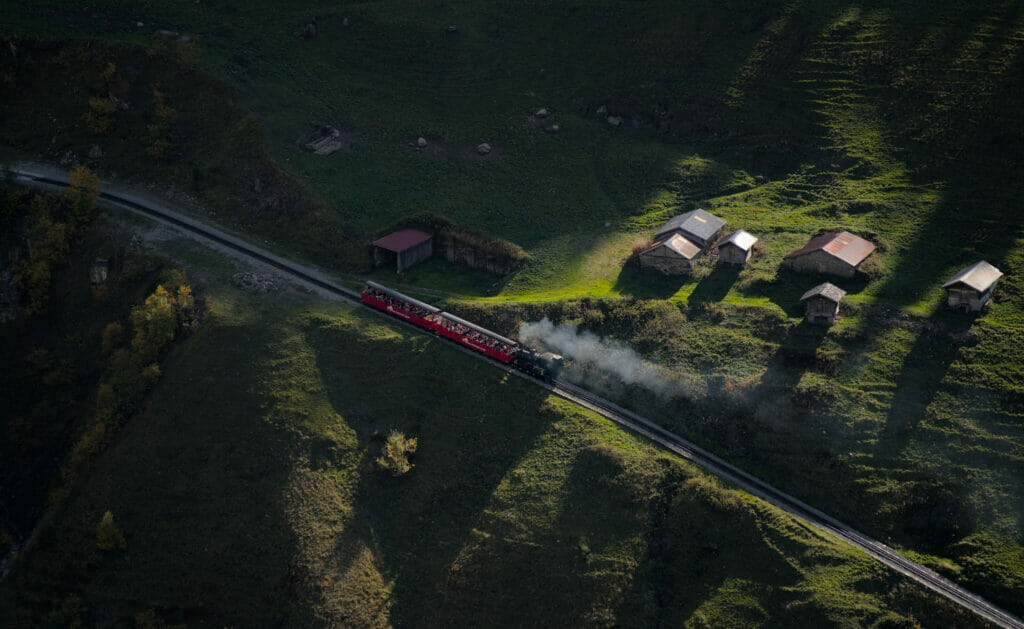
(108,536)
(395,455)
(83,194)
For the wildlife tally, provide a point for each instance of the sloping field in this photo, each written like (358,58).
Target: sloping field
(896,120)
(248,495)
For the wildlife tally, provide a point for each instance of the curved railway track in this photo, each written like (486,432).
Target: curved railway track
(622,416)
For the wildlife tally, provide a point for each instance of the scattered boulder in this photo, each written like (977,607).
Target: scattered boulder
(167,33)
(345,23)
(140,24)
(615,121)
(95,152)
(483,149)
(421,142)
(99,270)
(602,111)
(451,28)
(543,112)
(309,30)
(184,39)
(327,140)
(255,282)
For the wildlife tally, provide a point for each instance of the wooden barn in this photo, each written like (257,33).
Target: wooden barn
(405,247)
(672,255)
(833,254)
(736,249)
(698,226)
(971,288)
(823,303)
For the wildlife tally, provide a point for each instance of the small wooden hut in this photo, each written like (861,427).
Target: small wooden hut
(406,247)
(823,303)
(697,226)
(672,255)
(736,249)
(835,254)
(971,288)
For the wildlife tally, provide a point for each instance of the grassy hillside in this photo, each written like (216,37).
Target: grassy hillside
(901,121)
(248,495)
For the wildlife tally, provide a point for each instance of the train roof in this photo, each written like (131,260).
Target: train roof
(474,326)
(415,302)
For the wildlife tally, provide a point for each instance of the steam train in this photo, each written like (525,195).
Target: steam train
(545,366)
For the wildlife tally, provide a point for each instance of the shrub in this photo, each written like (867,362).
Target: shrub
(395,455)
(108,536)
(112,337)
(100,117)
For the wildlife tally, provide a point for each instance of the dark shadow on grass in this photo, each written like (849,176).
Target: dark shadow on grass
(786,288)
(640,284)
(473,424)
(921,375)
(195,481)
(715,286)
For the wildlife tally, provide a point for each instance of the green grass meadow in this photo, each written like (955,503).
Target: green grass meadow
(900,121)
(248,495)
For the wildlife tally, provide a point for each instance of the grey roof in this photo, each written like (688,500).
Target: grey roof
(740,238)
(677,243)
(697,222)
(827,290)
(980,276)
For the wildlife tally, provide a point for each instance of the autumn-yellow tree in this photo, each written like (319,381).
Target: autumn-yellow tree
(83,195)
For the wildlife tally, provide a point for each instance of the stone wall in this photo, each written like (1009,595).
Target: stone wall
(821,262)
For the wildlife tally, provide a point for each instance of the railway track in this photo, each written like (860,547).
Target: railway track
(630,420)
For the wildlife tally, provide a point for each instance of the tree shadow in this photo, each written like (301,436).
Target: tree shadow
(418,523)
(787,286)
(634,282)
(716,285)
(921,375)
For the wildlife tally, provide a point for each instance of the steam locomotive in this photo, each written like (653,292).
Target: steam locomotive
(543,365)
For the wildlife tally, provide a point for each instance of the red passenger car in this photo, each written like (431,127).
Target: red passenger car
(448,325)
(473,336)
(399,305)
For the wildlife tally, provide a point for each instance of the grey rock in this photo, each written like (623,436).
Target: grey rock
(345,22)
(326,141)
(602,111)
(451,28)
(421,142)
(309,30)
(615,121)
(543,112)
(483,149)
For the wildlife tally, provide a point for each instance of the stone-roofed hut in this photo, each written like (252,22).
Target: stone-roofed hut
(672,255)
(736,249)
(971,288)
(823,303)
(835,254)
(697,226)
(406,247)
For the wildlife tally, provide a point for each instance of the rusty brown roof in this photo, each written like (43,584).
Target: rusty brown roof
(401,240)
(676,243)
(848,247)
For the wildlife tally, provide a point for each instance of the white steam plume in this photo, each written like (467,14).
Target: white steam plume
(591,359)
